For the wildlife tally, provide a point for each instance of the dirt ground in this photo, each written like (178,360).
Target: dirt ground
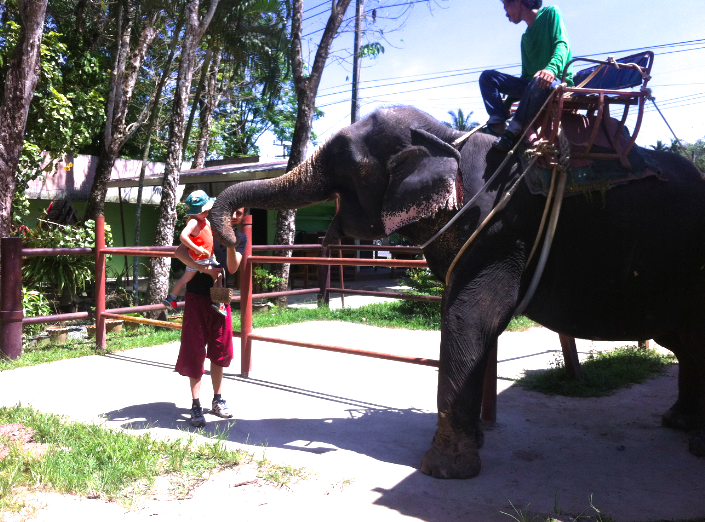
(360,427)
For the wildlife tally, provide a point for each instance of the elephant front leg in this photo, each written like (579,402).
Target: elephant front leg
(470,327)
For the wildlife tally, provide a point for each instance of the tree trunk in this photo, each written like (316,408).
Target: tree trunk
(20,82)
(306,91)
(151,124)
(122,85)
(159,275)
(207,106)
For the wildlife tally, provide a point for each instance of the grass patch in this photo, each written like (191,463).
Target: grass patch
(411,315)
(280,475)
(91,460)
(602,373)
(72,348)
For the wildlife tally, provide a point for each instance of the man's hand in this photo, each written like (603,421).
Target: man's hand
(545,78)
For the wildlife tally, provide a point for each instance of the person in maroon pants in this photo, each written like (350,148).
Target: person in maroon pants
(205,333)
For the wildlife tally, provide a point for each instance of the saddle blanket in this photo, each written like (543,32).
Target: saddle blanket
(586,175)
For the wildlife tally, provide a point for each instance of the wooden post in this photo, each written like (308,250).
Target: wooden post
(246,300)
(99,282)
(11,300)
(644,344)
(489,388)
(570,356)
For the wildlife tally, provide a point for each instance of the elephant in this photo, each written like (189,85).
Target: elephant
(626,264)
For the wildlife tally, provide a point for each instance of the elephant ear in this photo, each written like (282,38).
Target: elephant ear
(423,179)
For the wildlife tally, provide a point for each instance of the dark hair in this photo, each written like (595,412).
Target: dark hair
(532,4)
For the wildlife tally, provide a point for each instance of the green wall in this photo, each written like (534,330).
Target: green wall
(308,220)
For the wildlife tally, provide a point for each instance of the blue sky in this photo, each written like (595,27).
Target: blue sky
(434,60)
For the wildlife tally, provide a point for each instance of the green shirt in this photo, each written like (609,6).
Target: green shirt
(545,45)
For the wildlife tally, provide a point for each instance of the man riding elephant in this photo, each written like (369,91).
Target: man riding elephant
(545,51)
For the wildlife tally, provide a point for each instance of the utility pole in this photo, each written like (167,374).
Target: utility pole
(355,109)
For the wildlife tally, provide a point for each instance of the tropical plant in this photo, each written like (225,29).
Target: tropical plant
(265,279)
(65,275)
(34,304)
(460,121)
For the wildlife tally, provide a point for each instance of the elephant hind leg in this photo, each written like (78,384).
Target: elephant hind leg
(691,381)
(684,413)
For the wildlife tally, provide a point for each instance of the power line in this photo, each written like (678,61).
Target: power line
(412,2)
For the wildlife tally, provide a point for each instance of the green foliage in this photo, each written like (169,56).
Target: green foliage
(265,279)
(371,50)
(602,373)
(423,282)
(34,304)
(460,121)
(67,110)
(62,273)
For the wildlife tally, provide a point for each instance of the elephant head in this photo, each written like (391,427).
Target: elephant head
(390,169)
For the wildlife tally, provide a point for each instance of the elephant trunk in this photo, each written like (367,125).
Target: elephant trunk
(300,187)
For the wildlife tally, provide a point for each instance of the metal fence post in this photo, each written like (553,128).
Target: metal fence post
(324,280)
(246,300)
(11,299)
(99,283)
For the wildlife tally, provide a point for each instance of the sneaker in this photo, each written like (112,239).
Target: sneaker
(197,418)
(505,142)
(220,308)
(220,408)
(169,302)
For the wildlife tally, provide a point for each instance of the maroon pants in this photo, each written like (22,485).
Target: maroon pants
(204,333)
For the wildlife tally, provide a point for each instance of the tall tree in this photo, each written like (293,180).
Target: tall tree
(135,23)
(20,81)
(460,121)
(194,29)
(151,125)
(306,90)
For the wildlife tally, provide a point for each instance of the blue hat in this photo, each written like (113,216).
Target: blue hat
(198,202)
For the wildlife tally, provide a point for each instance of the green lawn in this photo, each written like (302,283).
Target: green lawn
(412,315)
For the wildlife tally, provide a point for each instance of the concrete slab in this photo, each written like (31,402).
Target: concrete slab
(360,426)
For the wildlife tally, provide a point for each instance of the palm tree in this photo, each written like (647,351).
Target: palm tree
(460,121)
(660,145)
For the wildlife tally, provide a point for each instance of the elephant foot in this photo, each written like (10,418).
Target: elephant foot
(453,455)
(678,418)
(697,443)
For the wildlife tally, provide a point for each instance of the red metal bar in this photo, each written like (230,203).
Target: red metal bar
(259,248)
(54,318)
(99,282)
(410,250)
(136,252)
(411,263)
(11,299)
(351,351)
(36,252)
(397,295)
(301,291)
(246,300)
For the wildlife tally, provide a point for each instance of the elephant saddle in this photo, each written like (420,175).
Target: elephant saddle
(593,172)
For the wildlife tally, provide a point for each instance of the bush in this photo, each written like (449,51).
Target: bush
(65,275)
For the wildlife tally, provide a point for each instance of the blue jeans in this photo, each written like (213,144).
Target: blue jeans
(494,83)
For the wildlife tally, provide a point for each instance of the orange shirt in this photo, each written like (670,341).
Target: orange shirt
(203,239)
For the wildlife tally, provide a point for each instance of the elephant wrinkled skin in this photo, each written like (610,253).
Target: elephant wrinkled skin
(628,264)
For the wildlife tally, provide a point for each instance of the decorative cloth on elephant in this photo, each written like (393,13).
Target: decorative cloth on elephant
(589,174)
